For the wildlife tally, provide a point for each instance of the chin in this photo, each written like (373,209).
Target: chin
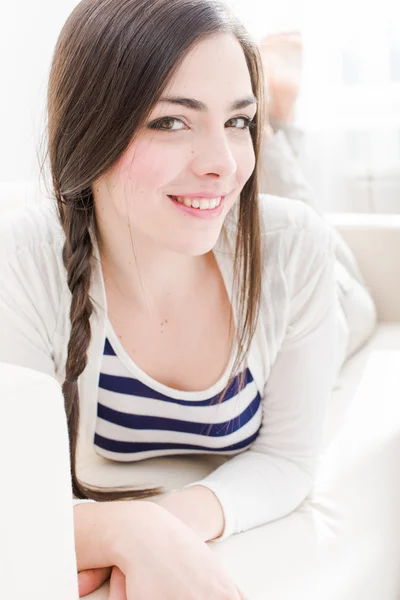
(197,247)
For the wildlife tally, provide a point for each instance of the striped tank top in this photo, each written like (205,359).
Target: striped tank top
(139,418)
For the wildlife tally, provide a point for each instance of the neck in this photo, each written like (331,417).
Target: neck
(147,275)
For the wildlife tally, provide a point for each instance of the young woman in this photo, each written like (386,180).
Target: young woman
(182,313)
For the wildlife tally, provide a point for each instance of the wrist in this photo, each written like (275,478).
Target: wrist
(129,529)
(91,524)
(99,528)
(197,507)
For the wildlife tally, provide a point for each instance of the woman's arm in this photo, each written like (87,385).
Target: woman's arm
(96,530)
(206,519)
(147,544)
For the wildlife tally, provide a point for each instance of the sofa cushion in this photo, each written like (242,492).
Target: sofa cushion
(386,337)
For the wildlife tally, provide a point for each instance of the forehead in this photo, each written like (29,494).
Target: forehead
(216,66)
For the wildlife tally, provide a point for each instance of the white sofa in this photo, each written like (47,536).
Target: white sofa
(343,543)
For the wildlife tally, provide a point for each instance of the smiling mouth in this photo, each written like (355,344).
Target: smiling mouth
(198,203)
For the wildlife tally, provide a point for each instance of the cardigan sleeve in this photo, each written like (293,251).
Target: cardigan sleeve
(276,474)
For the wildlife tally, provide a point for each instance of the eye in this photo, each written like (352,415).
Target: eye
(167,124)
(246,122)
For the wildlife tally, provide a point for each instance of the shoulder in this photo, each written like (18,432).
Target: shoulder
(293,229)
(31,265)
(33,289)
(285,214)
(33,231)
(289,229)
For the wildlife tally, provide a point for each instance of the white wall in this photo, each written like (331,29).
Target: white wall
(28,32)
(327,109)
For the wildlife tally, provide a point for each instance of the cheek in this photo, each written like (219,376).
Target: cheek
(147,166)
(245,161)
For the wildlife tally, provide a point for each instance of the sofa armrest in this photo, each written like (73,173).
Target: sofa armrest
(37,550)
(375,241)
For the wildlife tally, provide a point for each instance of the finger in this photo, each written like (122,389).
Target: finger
(117,585)
(91,579)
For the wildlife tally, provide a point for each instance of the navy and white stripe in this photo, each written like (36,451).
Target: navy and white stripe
(136,421)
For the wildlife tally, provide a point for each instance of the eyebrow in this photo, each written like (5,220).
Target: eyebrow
(198,105)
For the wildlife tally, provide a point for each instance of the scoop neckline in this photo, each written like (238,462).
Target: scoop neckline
(218,251)
(156,385)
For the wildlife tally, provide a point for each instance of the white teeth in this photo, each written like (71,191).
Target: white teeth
(201,203)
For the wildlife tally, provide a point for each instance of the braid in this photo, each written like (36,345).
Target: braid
(77,261)
(77,254)
(76,218)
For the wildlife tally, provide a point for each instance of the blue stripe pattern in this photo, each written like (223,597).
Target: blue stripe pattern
(134,387)
(130,447)
(108,349)
(123,385)
(165,424)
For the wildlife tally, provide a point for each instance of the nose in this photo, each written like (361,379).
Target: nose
(212,155)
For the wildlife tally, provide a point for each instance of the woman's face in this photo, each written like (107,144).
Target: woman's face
(196,151)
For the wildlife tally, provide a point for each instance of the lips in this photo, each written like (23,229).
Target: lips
(205,195)
(198,203)
(203,208)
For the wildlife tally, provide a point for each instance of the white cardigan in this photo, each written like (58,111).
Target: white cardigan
(299,344)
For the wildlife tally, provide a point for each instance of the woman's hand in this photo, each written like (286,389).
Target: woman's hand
(91,579)
(160,557)
(173,551)
(117,585)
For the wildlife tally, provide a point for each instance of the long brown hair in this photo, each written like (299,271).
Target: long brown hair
(111,63)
